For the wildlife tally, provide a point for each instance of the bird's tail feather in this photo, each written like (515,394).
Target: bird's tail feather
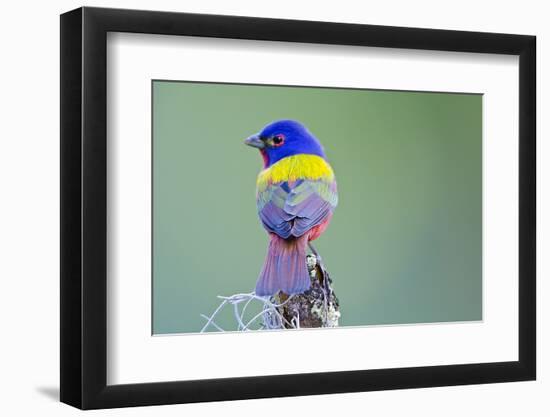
(284,267)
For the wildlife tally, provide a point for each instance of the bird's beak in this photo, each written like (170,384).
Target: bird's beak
(255,142)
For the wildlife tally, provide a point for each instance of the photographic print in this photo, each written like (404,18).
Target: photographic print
(284,207)
(365,192)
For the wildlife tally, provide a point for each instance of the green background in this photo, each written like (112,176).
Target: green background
(404,245)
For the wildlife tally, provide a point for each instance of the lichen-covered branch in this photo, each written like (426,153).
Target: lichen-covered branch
(317,307)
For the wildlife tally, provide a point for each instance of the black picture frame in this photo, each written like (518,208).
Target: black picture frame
(84,207)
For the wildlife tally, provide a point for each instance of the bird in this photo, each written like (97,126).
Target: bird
(296,195)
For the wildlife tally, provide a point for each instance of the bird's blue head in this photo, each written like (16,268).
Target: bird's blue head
(284,138)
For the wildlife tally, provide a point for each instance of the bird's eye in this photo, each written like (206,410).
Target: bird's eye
(278,140)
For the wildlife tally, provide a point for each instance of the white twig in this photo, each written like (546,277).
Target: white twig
(212,322)
(213,315)
(271,316)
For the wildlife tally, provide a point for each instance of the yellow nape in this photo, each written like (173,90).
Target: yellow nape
(292,168)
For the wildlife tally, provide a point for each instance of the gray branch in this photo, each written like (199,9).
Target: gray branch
(316,307)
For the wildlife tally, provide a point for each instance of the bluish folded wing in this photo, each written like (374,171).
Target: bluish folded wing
(293,209)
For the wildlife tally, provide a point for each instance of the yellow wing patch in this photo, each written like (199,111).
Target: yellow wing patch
(292,168)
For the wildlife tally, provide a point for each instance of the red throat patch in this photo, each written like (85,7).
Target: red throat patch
(265,157)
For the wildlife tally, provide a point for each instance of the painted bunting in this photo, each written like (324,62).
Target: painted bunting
(296,195)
